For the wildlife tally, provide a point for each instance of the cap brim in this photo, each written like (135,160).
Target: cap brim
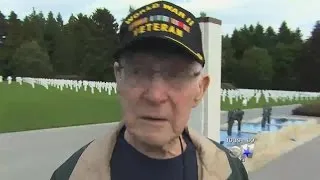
(175,42)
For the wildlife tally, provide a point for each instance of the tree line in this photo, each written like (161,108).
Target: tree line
(253,56)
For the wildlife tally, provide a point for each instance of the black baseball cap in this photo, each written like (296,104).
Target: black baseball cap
(163,20)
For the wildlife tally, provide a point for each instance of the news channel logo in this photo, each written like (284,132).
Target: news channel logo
(242,152)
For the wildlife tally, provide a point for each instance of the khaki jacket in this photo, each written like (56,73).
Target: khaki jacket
(93,163)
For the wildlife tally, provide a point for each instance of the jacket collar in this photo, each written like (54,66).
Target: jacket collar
(94,163)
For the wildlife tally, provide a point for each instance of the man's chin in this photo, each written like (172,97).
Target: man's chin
(156,141)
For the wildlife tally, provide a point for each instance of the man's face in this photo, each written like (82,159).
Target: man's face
(157,94)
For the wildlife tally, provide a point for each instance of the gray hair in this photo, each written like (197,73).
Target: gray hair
(197,67)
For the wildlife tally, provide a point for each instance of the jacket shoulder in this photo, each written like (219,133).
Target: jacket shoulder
(239,172)
(64,171)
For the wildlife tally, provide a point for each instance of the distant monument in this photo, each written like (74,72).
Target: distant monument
(266,114)
(234,115)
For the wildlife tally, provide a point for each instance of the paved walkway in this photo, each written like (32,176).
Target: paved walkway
(302,163)
(35,154)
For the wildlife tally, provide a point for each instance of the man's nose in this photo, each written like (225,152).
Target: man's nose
(156,92)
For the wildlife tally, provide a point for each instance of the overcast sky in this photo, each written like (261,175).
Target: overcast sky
(233,13)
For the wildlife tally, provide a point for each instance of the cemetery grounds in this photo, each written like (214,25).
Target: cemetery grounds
(25,108)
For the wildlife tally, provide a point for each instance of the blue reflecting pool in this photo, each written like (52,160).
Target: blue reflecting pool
(249,130)
(256,127)
(235,138)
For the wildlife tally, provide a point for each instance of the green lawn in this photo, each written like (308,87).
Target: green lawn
(24,108)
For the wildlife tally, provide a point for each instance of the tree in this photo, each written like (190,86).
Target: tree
(98,62)
(51,31)
(59,20)
(12,42)
(270,40)
(79,32)
(131,9)
(283,60)
(228,60)
(297,35)
(3,28)
(258,36)
(203,14)
(285,35)
(3,32)
(64,55)
(33,28)
(31,61)
(315,42)
(256,65)
(83,46)
(251,29)
(285,54)
(241,40)
(309,62)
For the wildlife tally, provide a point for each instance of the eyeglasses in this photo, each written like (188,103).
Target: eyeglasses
(142,76)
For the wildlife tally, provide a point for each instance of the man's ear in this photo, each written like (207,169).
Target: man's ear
(203,87)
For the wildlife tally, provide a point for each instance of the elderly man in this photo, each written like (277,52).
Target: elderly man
(159,80)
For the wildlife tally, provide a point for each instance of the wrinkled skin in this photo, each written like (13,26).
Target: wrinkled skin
(143,103)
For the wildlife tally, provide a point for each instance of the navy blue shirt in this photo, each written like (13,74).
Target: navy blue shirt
(129,164)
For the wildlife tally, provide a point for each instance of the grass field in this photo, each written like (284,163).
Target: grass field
(24,108)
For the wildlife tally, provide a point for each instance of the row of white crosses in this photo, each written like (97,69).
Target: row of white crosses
(109,87)
(243,95)
(9,79)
